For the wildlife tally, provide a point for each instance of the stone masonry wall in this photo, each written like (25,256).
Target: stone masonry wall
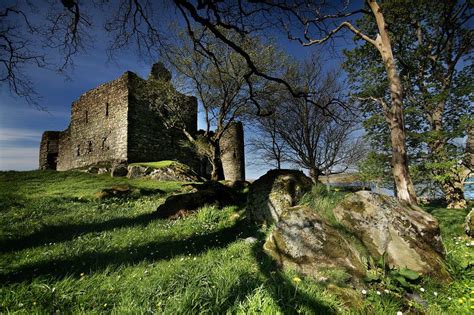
(49,149)
(98,129)
(149,137)
(65,156)
(232,152)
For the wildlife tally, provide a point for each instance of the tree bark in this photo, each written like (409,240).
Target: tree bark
(314,174)
(215,163)
(403,182)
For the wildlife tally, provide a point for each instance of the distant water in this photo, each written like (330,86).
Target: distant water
(468,188)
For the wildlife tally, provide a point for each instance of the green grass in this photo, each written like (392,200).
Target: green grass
(159,164)
(62,250)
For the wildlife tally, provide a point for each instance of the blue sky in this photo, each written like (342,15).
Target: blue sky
(21,125)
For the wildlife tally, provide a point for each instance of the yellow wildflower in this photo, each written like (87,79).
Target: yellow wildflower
(296,280)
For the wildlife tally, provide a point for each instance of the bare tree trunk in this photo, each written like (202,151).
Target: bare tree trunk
(215,162)
(453,186)
(314,174)
(403,182)
(401,175)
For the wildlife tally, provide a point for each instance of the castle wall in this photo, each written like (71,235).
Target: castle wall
(149,137)
(232,152)
(65,156)
(49,149)
(98,129)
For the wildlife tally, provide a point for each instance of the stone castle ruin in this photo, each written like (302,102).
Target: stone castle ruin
(115,123)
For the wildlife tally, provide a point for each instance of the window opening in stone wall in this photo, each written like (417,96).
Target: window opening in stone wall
(107,110)
(104,140)
(87,116)
(89,148)
(78,150)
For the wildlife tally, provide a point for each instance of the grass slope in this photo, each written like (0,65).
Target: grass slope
(159,164)
(61,250)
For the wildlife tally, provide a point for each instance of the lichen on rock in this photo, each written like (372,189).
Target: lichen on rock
(275,191)
(304,241)
(407,237)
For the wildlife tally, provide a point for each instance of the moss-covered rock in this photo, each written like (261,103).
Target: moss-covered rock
(163,171)
(275,191)
(304,241)
(407,237)
(469,224)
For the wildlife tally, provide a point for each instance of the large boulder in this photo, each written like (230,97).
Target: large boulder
(302,240)
(119,170)
(275,191)
(208,193)
(469,224)
(406,236)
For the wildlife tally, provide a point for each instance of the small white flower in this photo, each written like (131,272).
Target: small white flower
(449,298)
(422,289)
(364,292)
(435,293)
(379,293)
(386,291)
(399,313)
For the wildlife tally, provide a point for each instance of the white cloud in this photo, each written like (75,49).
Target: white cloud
(19,158)
(15,134)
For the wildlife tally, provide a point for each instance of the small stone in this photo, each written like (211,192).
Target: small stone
(250,240)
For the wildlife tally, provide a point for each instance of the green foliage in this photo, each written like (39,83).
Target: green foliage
(375,168)
(437,82)
(323,199)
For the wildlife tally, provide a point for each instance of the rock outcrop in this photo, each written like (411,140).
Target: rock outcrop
(303,241)
(274,192)
(406,236)
(174,172)
(469,224)
(209,193)
(136,171)
(119,170)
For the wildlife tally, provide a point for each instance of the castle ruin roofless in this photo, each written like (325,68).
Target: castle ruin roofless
(118,122)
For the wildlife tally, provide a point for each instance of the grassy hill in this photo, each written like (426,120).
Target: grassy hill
(63,250)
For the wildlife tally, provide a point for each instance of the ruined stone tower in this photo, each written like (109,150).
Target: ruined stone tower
(115,123)
(232,152)
(49,149)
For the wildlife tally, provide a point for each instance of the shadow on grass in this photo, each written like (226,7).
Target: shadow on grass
(284,292)
(67,232)
(152,251)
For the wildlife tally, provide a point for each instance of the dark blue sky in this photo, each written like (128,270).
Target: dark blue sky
(21,125)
